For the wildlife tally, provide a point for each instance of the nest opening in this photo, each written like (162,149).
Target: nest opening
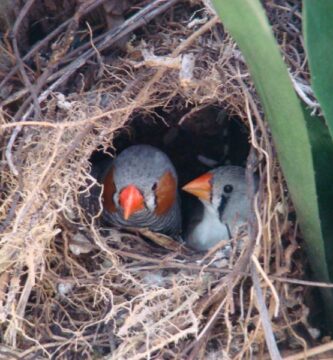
(194,140)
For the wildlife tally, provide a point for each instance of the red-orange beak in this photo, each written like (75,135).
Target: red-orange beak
(131,200)
(200,187)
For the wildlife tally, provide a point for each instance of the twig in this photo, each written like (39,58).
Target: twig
(303,92)
(202,268)
(264,316)
(11,212)
(142,17)
(8,152)
(203,336)
(107,39)
(33,90)
(269,283)
(321,349)
(83,9)
(19,61)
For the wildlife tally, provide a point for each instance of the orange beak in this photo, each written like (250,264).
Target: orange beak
(200,187)
(131,200)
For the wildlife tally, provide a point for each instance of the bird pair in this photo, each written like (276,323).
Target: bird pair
(140,190)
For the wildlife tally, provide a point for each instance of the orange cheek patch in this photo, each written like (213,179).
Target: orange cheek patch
(166,193)
(109,190)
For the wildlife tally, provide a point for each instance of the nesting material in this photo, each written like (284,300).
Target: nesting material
(70,287)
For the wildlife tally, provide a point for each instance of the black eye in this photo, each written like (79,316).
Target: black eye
(154,187)
(228,189)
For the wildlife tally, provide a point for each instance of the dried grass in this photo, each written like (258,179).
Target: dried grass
(126,298)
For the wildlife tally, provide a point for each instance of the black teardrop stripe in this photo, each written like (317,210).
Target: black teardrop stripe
(223,203)
(229,232)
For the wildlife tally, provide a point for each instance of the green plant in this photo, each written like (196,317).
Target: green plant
(304,148)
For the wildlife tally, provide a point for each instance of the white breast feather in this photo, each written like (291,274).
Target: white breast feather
(209,231)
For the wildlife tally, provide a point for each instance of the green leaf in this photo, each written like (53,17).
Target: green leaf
(322,151)
(318,36)
(248,25)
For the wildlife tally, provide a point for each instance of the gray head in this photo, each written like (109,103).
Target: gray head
(223,191)
(141,178)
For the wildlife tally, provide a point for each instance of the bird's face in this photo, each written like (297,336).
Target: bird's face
(140,182)
(218,188)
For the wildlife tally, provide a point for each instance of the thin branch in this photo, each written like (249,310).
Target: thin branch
(264,316)
(83,10)
(18,58)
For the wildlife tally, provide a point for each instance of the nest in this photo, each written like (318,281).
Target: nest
(71,288)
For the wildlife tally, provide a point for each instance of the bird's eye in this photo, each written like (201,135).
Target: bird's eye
(154,187)
(228,189)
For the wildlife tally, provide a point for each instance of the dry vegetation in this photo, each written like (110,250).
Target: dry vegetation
(71,288)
